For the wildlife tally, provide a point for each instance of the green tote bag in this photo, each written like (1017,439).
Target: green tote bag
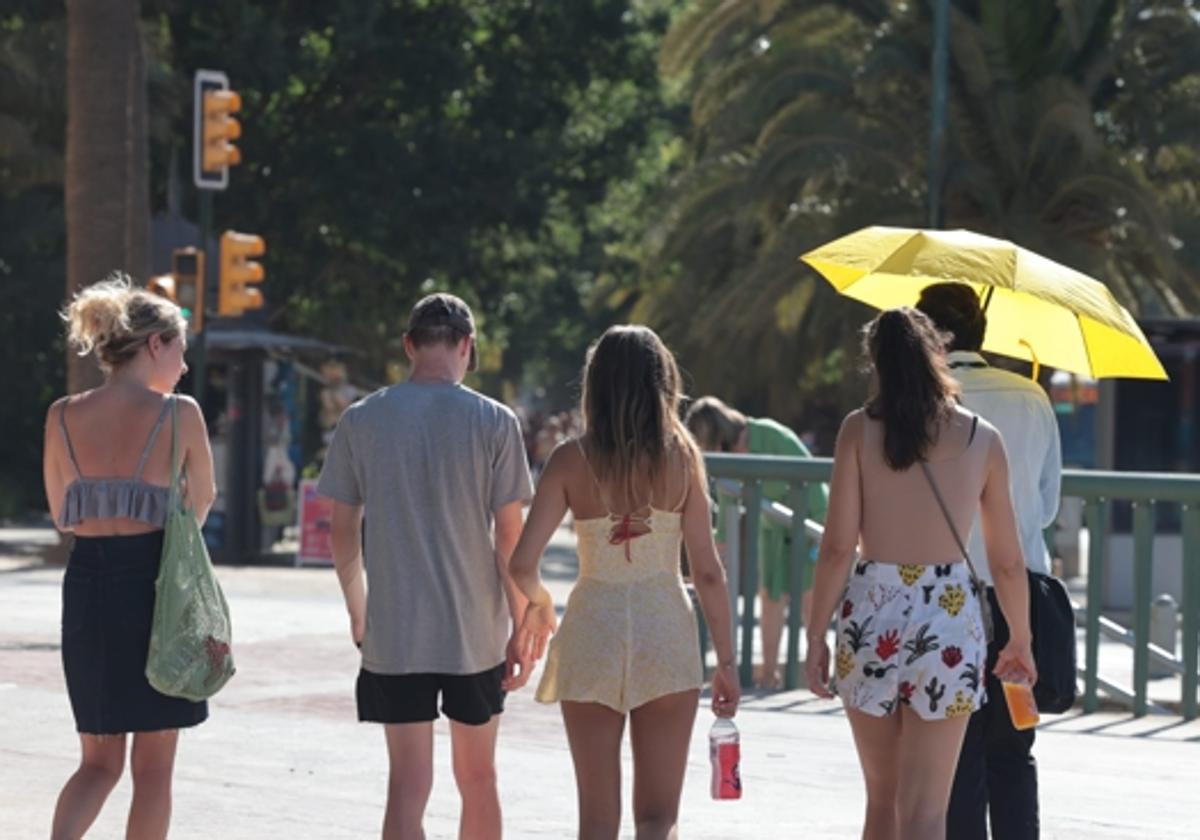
(191,640)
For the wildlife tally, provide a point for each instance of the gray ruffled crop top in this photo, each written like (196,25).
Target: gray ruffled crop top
(114,498)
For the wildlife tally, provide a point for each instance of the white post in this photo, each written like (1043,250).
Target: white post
(1163,630)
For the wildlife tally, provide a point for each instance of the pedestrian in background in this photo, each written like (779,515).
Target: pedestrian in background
(997,773)
(719,428)
(440,475)
(628,648)
(107,470)
(911,639)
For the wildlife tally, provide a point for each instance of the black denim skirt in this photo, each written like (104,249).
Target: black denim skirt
(108,606)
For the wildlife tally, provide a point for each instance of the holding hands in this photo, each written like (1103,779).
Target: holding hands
(528,642)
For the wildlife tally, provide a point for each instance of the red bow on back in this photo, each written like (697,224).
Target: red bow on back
(626,530)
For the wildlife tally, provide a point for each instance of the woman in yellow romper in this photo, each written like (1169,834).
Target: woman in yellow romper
(628,645)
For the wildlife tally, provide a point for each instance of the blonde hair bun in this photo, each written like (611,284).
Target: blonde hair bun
(114,319)
(97,313)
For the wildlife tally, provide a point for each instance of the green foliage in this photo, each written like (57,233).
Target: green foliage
(32,241)
(1072,130)
(567,165)
(32,264)
(394,148)
(498,149)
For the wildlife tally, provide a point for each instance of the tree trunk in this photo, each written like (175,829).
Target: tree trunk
(107,168)
(107,165)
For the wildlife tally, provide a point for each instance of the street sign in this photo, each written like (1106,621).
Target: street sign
(316,526)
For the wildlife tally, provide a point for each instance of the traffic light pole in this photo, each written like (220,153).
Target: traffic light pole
(200,346)
(939,72)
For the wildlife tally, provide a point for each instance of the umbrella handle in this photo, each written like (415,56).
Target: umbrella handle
(1037,366)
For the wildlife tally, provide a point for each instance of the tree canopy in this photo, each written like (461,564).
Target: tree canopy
(564,166)
(394,148)
(1071,130)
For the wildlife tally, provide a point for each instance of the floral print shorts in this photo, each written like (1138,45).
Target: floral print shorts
(911,635)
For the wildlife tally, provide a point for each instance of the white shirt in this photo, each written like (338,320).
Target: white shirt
(1019,408)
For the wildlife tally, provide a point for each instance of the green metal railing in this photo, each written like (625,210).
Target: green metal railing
(1145,491)
(1097,490)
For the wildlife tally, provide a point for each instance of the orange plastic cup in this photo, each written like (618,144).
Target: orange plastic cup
(1022,708)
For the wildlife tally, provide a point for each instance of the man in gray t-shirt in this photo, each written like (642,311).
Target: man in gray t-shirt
(428,479)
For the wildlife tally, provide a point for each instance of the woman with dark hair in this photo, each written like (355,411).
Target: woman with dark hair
(628,647)
(911,640)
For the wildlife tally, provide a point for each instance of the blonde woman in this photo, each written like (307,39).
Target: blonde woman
(628,649)
(107,468)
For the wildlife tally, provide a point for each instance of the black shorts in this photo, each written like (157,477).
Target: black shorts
(412,698)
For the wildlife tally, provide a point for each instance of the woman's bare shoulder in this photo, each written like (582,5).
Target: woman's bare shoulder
(55,408)
(566,458)
(854,423)
(191,418)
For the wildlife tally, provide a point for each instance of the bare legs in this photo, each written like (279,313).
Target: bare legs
(908,766)
(774,617)
(410,779)
(771,624)
(474,749)
(594,732)
(659,733)
(100,768)
(153,764)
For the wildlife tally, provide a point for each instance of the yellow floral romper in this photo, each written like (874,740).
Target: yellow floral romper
(629,633)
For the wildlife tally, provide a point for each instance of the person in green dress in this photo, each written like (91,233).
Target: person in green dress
(718,427)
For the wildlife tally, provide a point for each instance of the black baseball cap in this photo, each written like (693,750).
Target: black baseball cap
(444,310)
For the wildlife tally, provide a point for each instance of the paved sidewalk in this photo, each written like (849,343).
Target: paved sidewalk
(283,757)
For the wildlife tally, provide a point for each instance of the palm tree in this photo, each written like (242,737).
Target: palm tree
(810,119)
(107,187)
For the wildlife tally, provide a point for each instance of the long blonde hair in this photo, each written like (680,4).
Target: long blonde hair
(114,319)
(631,395)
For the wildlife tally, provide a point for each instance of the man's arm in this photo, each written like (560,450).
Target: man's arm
(347,560)
(1050,480)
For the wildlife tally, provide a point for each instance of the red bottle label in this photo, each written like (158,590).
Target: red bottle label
(727,780)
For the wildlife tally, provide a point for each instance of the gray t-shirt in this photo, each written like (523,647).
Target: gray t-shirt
(430,464)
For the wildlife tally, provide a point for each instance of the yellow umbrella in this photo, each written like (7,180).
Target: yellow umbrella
(1038,310)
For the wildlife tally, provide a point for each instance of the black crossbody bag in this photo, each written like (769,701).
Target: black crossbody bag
(1052,623)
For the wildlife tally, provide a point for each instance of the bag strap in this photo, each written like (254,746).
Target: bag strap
(175,466)
(937,494)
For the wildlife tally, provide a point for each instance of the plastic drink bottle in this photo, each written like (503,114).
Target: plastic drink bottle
(1022,708)
(725,752)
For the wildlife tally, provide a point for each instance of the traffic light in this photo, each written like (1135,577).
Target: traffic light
(214,129)
(220,128)
(163,285)
(238,271)
(184,286)
(187,269)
